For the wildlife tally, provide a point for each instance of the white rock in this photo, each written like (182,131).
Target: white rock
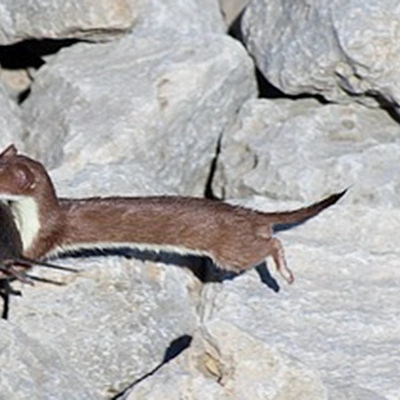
(344,50)
(139,102)
(112,322)
(225,362)
(88,19)
(340,316)
(304,150)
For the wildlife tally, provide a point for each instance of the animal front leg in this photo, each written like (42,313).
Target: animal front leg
(5,291)
(278,255)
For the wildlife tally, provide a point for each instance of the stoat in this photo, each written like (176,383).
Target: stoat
(235,238)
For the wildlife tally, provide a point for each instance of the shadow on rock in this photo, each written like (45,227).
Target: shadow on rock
(175,348)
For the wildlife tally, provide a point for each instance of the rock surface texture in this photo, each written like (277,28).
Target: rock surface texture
(163,109)
(11,125)
(231,363)
(296,149)
(87,19)
(343,50)
(136,97)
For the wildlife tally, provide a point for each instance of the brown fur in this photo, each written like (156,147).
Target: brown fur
(235,238)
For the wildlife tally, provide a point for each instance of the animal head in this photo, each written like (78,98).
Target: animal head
(20,175)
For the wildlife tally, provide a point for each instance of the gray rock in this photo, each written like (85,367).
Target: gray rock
(351,392)
(345,50)
(137,101)
(88,19)
(15,81)
(338,317)
(33,369)
(304,150)
(169,20)
(112,322)
(225,362)
(118,179)
(11,126)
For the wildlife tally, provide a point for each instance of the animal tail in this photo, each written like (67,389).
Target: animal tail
(303,214)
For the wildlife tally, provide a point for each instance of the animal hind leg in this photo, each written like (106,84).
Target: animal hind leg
(278,255)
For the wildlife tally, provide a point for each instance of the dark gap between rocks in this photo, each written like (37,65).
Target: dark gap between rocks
(385,105)
(266,89)
(175,348)
(235,29)
(29,54)
(208,191)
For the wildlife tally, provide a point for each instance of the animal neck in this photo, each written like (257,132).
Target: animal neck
(25,211)
(38,221)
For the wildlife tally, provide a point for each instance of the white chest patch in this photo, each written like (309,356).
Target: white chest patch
(26,214)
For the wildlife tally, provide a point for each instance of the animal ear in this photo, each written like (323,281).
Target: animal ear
(10,151)
(24,177)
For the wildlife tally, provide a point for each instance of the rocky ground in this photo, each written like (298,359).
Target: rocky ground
(156,97)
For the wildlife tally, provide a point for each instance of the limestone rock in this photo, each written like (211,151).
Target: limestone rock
(343,50)
(225,362)
(304,150)
(165,112)
(88,19)
(11,126)
(170,20)
(15,81)
(112,322)
(33,369)
(125,178)
(351,392)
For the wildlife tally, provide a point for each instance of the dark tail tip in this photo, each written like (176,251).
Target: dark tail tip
(327,202)
(296,217)
(335,197)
